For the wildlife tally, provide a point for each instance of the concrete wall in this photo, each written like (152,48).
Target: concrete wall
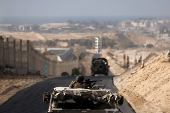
(20,54)
(1,51)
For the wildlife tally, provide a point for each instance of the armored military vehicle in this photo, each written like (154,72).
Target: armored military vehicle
(96,99)
(99,66)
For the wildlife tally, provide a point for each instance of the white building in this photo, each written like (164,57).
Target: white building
(134,24)
(142,24)
(123,24)
(21,27)
(98,44)
(164,36)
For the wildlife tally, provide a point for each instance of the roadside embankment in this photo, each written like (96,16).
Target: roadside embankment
(10,84)
(147,88)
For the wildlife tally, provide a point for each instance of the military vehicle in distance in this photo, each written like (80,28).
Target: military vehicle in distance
(96,99)
(99,66)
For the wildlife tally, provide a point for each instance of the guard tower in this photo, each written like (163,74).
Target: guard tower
(98,44)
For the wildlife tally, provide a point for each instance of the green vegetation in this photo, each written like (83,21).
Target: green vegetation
(50,43)
(79,57)
(75,71)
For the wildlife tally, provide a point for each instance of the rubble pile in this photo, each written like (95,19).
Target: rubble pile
(148,88)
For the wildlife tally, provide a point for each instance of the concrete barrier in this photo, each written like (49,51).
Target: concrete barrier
(22,56)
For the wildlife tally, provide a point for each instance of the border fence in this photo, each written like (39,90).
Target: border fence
(21,56)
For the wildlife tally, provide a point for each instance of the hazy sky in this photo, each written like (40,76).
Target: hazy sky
(84,8)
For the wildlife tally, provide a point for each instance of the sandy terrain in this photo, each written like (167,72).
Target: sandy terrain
(77,35)
(24,36)
(50,36)
(140,39)
(147,89)
(134,53)
(136,39)
(62,44)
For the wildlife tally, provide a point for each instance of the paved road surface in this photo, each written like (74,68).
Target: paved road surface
(30,100)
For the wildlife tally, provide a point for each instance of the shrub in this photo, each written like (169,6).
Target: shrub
(75,71)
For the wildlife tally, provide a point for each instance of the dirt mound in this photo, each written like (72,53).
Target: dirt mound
(147,89)
(62,44)
(140,40)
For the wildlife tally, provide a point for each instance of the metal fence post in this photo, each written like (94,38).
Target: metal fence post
(28,55)
(46,69)
(2,51)
(21,54)
(7,61)
(14,55)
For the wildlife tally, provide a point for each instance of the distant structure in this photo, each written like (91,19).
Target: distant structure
(148,45)
(63,54)
(164,33)
(25,28)
(56,51)
(66,56)
(124,31)
(98,44)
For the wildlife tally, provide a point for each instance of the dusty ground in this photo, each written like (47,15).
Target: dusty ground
(134,53)
(115,69)
(12,84)
(140,39)
(51,36)
(62,44)
(147,89)
(136,39)
(24,36)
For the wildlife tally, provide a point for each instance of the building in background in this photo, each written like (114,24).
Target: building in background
(164,33)
(63,54)
(21,27)
(98,44)
(67,56)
